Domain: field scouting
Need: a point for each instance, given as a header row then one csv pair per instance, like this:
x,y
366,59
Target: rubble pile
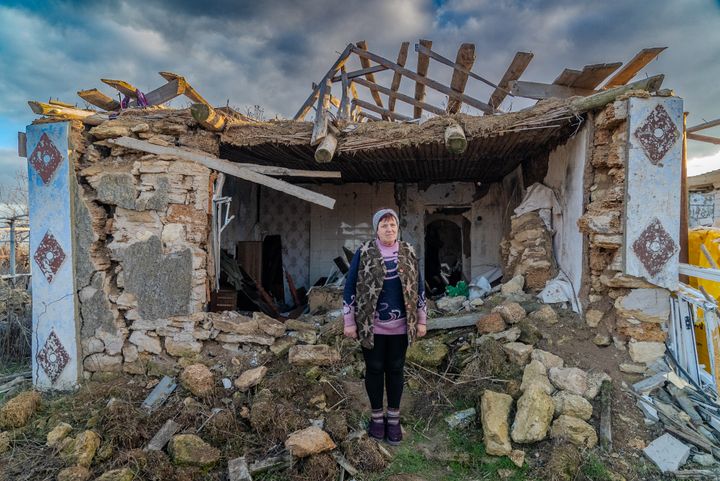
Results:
x,y
689,418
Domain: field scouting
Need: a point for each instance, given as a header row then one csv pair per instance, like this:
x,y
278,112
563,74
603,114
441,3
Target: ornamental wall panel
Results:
x,y
652,195
55,346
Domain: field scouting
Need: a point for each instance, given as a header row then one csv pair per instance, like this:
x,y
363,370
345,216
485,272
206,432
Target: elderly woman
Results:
x,y
384,307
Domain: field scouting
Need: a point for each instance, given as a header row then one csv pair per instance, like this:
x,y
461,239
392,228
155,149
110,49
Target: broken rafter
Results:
x,y
457,65
463,63
455,140
359,73
365,63
703,138
602,98
344,108
307,105
184,87
398,96
89,117
593,75
631,68
326,150
395,85
99,99
384,112
567,77
513,72
425,81
209,118
121,86
227,167
540,91
423,63
703,126
320,126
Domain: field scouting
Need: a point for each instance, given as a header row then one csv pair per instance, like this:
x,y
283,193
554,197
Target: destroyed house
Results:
x,y
150,226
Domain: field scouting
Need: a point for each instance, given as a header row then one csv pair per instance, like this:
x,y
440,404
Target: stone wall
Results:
x,y
632,311
141,241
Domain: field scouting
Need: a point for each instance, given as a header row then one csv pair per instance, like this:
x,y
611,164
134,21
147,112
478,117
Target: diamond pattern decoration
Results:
x,y
53,357
46,158
49,256
657,134
654,247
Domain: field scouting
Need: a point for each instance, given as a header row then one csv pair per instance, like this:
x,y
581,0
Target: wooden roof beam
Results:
x,y
381,111
59,111
307,105
704,125
365,63
704,138
465,58
593,75
425,81
640,60
540,91
398,96
567,77
423,63
185,87
513,72
320,125
125,88
359,73
395,85
99,99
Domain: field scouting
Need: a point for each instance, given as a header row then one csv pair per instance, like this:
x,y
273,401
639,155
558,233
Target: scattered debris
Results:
x,y
159,394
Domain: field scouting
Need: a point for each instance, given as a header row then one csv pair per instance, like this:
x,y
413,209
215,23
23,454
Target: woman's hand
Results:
x,y
421,330
350,331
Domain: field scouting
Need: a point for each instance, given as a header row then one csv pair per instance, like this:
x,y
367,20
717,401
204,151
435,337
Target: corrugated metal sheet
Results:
x,y
487,159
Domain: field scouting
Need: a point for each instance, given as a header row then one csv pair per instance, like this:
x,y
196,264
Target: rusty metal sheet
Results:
x,y
653,182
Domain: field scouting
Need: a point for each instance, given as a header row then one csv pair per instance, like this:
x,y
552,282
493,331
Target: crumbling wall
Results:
x,y
624,308
141,241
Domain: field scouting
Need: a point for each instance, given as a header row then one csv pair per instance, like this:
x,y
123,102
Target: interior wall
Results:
x,y
486,220
566,168
347,225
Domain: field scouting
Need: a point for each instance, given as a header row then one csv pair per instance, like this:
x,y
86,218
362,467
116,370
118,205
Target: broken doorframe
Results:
x,y
219,202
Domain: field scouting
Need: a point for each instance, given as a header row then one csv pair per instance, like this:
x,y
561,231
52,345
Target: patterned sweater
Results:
x,y
390,312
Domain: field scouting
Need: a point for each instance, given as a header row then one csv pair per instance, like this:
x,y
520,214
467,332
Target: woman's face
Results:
x,y
387,230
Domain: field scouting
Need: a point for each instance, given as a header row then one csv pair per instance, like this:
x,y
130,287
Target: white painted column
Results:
x,y
56,362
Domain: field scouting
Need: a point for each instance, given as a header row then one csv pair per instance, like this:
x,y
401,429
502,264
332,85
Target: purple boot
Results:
x,y
393,433
376,430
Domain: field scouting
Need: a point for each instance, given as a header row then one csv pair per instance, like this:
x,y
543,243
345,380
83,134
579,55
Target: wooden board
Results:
x,y
513,72
567,77
423,63
466,59
395,85
539,91
227,167
593,75
125,88
398,96
426,81
651,236
369,76
99,99
307,105
625,74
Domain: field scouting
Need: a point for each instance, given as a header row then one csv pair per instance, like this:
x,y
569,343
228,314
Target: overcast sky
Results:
x,y
269,52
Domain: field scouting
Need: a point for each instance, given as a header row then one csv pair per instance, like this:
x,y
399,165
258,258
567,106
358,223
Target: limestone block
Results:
x,y
198,379
145,343
494,412
250,378
513,286
534,414
81,449
646,352
268,325
309,355
574,430
103,363
182,344
308,441
518,352
593,317
191,450
569,379
511,312
535,376
548,359
92,345
545,314
130,353
645,305
572,405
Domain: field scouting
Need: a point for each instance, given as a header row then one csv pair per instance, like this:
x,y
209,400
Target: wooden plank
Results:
x,y
22,144
42,108
455,65
360,73
423,63
513,72
426,81
466,59
704,138
227,167
599,99
326,149
344,109
642,58
125,88
99,99
320,126
383,112
397,95
162,94
703,126
593,75
395,85
187,89
307,105
162,437
605,431
540,91
365,63
567,77
368,116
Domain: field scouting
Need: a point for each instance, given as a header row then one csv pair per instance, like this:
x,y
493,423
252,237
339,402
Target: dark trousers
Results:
x,y
384,365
